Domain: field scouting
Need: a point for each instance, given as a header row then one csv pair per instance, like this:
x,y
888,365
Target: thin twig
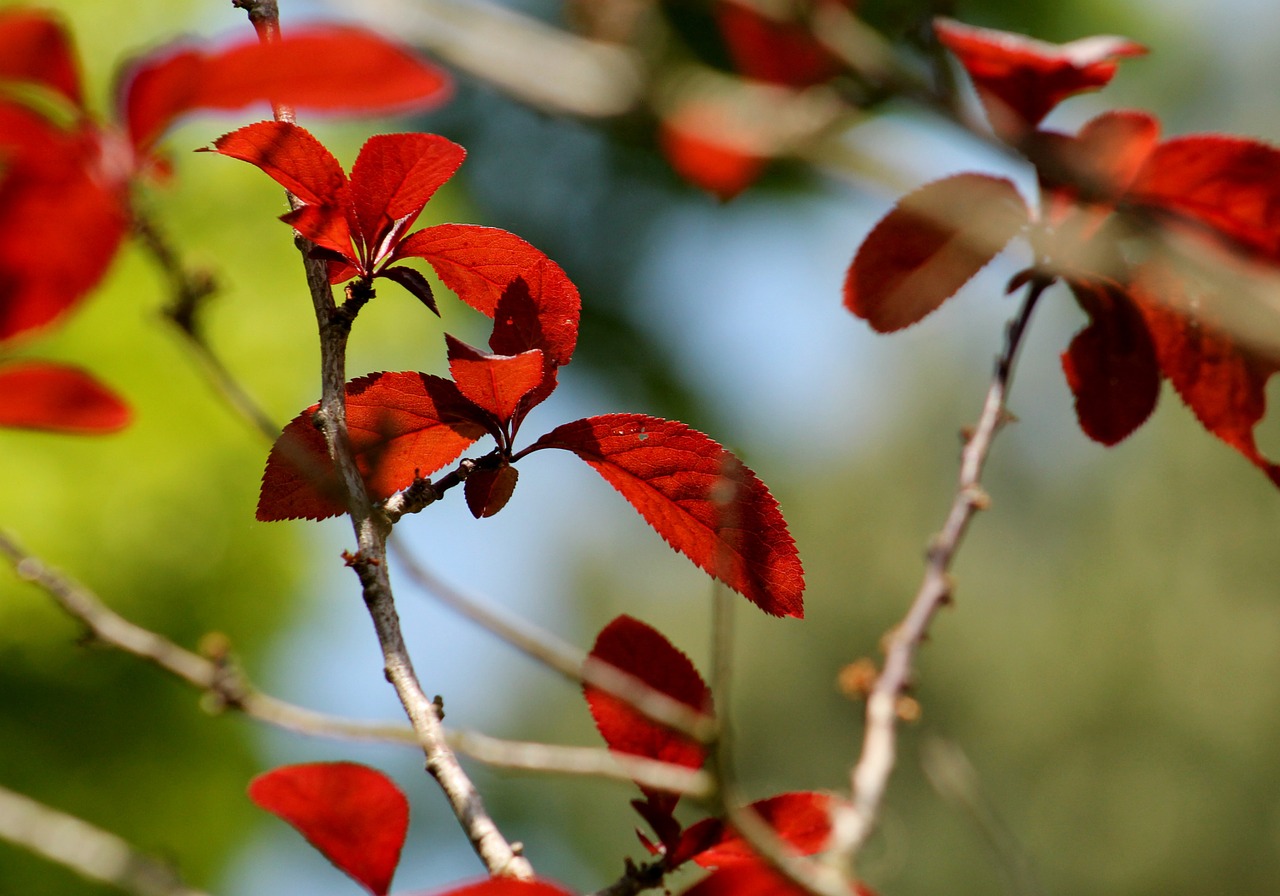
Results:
x,y
87,850
876,760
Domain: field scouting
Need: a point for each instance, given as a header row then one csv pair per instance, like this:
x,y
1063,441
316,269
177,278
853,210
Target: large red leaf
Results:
x,y
1019,80
53,397
1111,364
480,263
291,156
353,814
496,383
929,245
393,178
36,48
699,497
401,426
508,886
642,651
322,68
802,820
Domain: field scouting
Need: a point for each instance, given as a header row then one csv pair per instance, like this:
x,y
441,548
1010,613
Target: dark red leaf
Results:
x,y
1019,80
801,820
1111,364
755,879
36,48
508,886
780,51
699,497
393,178
643,652
355,816
53,397
495,383
929,245
322,68
488,491
401,426
480,263
412,280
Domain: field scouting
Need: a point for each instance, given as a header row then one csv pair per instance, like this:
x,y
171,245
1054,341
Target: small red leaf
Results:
x,y
323,68
56,398
393,178
1111,364
488,491
642,651
495,383
1019,80
508,886
755,879
417,284
355,816
699,143
699,498
480,263
401,426
801,820
291,156
36,48
929,245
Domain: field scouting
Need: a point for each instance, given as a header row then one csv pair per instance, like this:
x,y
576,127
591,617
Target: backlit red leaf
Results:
x,y
698,149
53,397
355,816
1019,80
35,47
495,383
401,426
289,155
929,245
488,491
780,51
642,651
321,68
698,497
755,879
393,178
801,820
508,886
1111,364
480,263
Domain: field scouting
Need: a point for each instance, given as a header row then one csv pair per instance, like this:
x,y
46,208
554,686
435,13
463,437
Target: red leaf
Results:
x,y
401,426
480,263
495,383
929,245
508,886
35,47
291,156
393,178
702,151
642,651
353,814
488,491
699,497
322,68
1019,80
412,280
755,879
53,397
780,51
1111,364
802,820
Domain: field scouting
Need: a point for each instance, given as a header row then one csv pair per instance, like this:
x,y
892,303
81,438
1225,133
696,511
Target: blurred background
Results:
x,y
1099,710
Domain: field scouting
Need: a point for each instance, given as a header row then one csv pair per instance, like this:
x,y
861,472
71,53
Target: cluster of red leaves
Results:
x,y
404,426
1155,239
66,175
357,818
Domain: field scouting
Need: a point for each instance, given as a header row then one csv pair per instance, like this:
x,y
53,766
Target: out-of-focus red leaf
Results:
x,y
57,398
393,178
36,48
480,263
644,652
775,50
495,383
1220,378
755,879
401,426
699,151
508,886
929,245
488,491
801,820
698,497
322,68
60,227
1111,364
1227,183
1019,80
355,816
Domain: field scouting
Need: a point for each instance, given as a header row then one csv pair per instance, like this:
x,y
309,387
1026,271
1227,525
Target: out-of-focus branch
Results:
x,y
87,850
